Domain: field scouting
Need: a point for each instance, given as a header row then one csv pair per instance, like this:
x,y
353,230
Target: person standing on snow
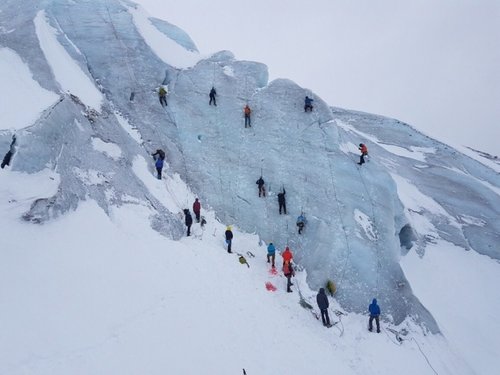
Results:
x,y
159,167
374,310
260,183
308,104
197,209
288,272
271,254
323,304
159,156
212,95
188,220
229,238
364,152
162,93
301,222
282,201
247,111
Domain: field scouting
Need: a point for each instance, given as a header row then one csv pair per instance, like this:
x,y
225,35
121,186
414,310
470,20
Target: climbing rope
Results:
x,y
125,49
375,221
339,213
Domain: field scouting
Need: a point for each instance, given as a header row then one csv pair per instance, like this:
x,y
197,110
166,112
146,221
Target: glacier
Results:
x,y
414,191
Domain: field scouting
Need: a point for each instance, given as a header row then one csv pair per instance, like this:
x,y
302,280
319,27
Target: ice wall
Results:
x,y
355,214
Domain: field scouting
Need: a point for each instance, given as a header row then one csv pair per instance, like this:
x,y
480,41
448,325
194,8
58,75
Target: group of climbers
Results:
x,y
188,219
288,267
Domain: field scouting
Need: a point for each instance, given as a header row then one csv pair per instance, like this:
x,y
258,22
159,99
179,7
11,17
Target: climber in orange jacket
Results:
x,y
364,152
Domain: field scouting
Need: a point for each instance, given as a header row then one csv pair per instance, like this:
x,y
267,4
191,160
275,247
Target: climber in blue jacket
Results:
x,y
271,254
374,310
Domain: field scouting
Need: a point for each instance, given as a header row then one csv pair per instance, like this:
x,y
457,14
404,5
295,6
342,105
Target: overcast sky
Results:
x,y
432,63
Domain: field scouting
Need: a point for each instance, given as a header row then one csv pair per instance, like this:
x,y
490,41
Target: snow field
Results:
x,y
113,296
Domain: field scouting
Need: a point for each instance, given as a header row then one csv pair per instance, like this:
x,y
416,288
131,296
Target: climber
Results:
x,y
282,201
188,220
271,254
364,152
12,151
288,272
162,93
287,255
212,95
301,222
247,111
159,167
197,209
262,189
229,238
308,104
374,310
323,304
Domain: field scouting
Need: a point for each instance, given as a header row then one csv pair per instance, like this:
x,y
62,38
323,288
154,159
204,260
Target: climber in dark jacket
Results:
x,y
212,95
282,201
229,238
188,220
308,104
262,190
323,304
12,151
374,310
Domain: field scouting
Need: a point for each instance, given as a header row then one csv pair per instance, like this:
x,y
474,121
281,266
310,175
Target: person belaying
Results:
x,y
271,254
247,111
159,157
301,222
262,189
188,220
12,150
229,238
374,310
364,152
323,304
287,255
308,104
288,271
162,94
197,209
282,201
212,95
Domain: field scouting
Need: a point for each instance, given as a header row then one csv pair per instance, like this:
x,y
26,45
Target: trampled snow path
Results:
x,y
113,296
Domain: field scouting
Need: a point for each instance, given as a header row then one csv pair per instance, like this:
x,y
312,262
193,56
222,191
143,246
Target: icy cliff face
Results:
x,y
360,219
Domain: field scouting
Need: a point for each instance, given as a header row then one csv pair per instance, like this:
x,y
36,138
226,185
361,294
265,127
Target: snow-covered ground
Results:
x,y
97,294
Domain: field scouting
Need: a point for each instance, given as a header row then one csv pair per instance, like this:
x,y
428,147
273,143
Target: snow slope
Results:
x,y
113,296
17,107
